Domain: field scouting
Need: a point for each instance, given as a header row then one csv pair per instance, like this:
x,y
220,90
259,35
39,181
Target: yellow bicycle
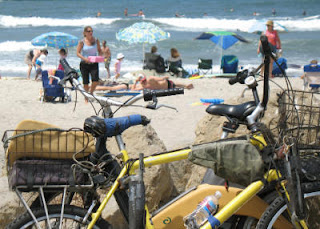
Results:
x,y
126,175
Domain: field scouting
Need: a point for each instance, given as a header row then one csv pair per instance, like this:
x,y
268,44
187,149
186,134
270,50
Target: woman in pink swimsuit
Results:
x,y
274,42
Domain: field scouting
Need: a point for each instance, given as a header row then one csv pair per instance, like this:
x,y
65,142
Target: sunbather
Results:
x,y
142,82
312,67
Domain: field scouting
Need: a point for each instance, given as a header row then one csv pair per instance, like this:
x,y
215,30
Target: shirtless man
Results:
x,y
153,83
107,57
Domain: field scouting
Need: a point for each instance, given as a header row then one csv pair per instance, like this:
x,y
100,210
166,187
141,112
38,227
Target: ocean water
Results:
x,y
21,21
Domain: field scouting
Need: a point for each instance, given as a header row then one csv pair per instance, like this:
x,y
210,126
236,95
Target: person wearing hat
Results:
x,y
117,65
274,42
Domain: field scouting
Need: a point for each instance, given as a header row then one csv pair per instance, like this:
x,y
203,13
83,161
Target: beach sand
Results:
x,y
20,100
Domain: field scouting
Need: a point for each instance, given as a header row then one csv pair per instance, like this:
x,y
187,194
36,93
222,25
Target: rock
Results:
x,y
209,129
159,185
158,182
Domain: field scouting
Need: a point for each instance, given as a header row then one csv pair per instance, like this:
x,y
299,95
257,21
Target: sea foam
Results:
x,y
13,46
185,24
11,21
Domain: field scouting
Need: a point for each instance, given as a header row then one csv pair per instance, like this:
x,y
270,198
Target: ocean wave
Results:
x,y
11,21
200,24
14,46
311,23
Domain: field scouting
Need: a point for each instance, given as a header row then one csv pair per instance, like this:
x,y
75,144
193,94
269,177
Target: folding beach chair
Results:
x,y
204,65
311,77
176,69
276,71
51,89
150,60
229,64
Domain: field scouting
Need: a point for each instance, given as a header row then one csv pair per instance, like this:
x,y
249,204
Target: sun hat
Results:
x,y
120,56
142,77
270,22
314,62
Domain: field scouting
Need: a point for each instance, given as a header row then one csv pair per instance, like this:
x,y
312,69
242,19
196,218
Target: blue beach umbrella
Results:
x,y
224,39
55,39
142,32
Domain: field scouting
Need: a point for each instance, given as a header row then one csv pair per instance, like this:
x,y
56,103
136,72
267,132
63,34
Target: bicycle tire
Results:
x,y
71,213
278,208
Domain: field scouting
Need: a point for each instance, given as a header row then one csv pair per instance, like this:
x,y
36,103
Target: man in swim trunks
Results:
x,y
152,82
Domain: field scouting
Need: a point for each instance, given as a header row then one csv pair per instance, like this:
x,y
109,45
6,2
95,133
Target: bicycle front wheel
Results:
x,y
72,218
278,210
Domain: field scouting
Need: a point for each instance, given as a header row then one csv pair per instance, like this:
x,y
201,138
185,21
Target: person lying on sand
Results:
x,y
152,82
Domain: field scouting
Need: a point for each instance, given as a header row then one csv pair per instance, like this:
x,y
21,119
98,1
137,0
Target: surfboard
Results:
x,y
119,93
221,75
218,75
312,17
196,77
200,103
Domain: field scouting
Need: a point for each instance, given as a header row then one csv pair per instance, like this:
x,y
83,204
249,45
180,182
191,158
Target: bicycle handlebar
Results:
x,y
248,78
148,95
71,75
240,78
110,127
267,56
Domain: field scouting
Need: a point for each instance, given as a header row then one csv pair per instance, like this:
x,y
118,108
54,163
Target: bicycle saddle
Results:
x,y
240,111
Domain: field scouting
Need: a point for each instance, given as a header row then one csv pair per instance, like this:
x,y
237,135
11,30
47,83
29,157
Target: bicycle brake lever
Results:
x,y
163,105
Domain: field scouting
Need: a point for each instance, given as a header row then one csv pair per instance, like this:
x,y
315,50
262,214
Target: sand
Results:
x,y
19,100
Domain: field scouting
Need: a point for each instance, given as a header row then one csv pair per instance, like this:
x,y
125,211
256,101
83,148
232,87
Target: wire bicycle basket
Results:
x,y
299,113
44,156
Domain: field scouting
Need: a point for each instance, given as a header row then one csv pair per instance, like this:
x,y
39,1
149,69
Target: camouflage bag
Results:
x,y
236,160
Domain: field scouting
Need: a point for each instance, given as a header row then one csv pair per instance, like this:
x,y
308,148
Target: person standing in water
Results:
x,y
274,43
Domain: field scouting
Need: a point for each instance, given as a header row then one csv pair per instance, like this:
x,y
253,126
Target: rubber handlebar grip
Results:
x,y
69,72
149,94
265,46
233,80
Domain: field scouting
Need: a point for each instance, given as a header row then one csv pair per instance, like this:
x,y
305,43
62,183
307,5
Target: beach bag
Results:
x,y
276,71
160,65
236,160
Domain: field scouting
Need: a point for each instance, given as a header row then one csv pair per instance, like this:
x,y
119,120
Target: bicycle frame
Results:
x,y
234,199
233,205
148,162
